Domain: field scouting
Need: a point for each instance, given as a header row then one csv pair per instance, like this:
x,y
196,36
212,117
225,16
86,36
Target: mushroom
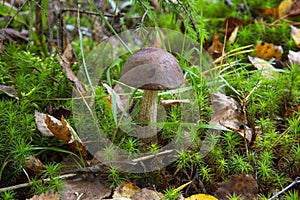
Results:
x,y
151,69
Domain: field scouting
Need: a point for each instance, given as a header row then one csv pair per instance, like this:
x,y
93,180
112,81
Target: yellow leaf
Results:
x,y
233,35
201,197
182,186
284,8
295,32
268,50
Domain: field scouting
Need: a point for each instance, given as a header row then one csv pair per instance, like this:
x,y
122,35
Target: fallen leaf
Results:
x,y
113,94
230,25
284,8
263,65
233,35
291,111
294,57
85,188
9,90
49,126
146,194
57,113
11,35
50,195
227,112
295,9
40,119
267,51
295,33
125,190
201,197
216,49
273,12
66,61
242,184
33,165
67,134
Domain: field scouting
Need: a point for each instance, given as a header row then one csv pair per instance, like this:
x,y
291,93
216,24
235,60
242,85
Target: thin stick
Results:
x,y
295,182
30,183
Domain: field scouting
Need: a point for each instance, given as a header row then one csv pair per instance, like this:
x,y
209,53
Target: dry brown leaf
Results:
x,y
230,25
201,197
284,8
42,126
294,57
33,165
61,131
85,188
273,12
9,90
227,112
267,51
264,66
50,195
49,126
125,190
295,33
57,113
295,9
242,184
66,63
11,35
65,132
146,194
216,49
291,111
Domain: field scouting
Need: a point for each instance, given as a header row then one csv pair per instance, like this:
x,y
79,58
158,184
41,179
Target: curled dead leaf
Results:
x,y
67,134
231,24
33,165
9,90
49,126
66,63
40,119
11,35
266,68
227,112
294,57
216,49
295,33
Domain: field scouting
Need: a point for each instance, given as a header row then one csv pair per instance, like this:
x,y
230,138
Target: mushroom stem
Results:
x,y
148,112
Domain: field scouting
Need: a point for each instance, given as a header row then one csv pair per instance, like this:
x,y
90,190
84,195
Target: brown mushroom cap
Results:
x,y
152,69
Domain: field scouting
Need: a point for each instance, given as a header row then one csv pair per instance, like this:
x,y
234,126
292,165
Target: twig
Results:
x,y
9,21
30,183
295,182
